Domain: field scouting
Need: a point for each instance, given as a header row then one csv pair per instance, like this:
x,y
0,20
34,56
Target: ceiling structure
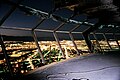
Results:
x,y
59,18
40,15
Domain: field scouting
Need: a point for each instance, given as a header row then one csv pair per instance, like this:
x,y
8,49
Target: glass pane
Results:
x,y
13,32
49,24
63,36
4,8
67,27
81,28
81,17
44,36
20,19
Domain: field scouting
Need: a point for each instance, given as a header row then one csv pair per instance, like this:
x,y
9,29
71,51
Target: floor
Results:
x,y
90,67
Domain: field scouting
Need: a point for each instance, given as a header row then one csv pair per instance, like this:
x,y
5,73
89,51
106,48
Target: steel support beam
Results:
x,y
6,55
97,42
116,40
57,39
43,30
88,42
104,34
38,24
61,25
114,34
107,41
36,40
73,41
86,33
1,39
37,44
58,42
74,28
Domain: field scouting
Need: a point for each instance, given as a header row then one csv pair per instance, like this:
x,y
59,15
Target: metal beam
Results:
x,y
1,39
106,37
56,36
58,42
86,33
116,38
61,25
43,30
97,42
36,40
106,33
57,39
88,42
38,24
73,41
9,12
46,15
74,28
107,41
37,44
6,55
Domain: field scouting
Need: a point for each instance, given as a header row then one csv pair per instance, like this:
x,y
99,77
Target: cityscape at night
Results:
x,y
59,40
24,56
